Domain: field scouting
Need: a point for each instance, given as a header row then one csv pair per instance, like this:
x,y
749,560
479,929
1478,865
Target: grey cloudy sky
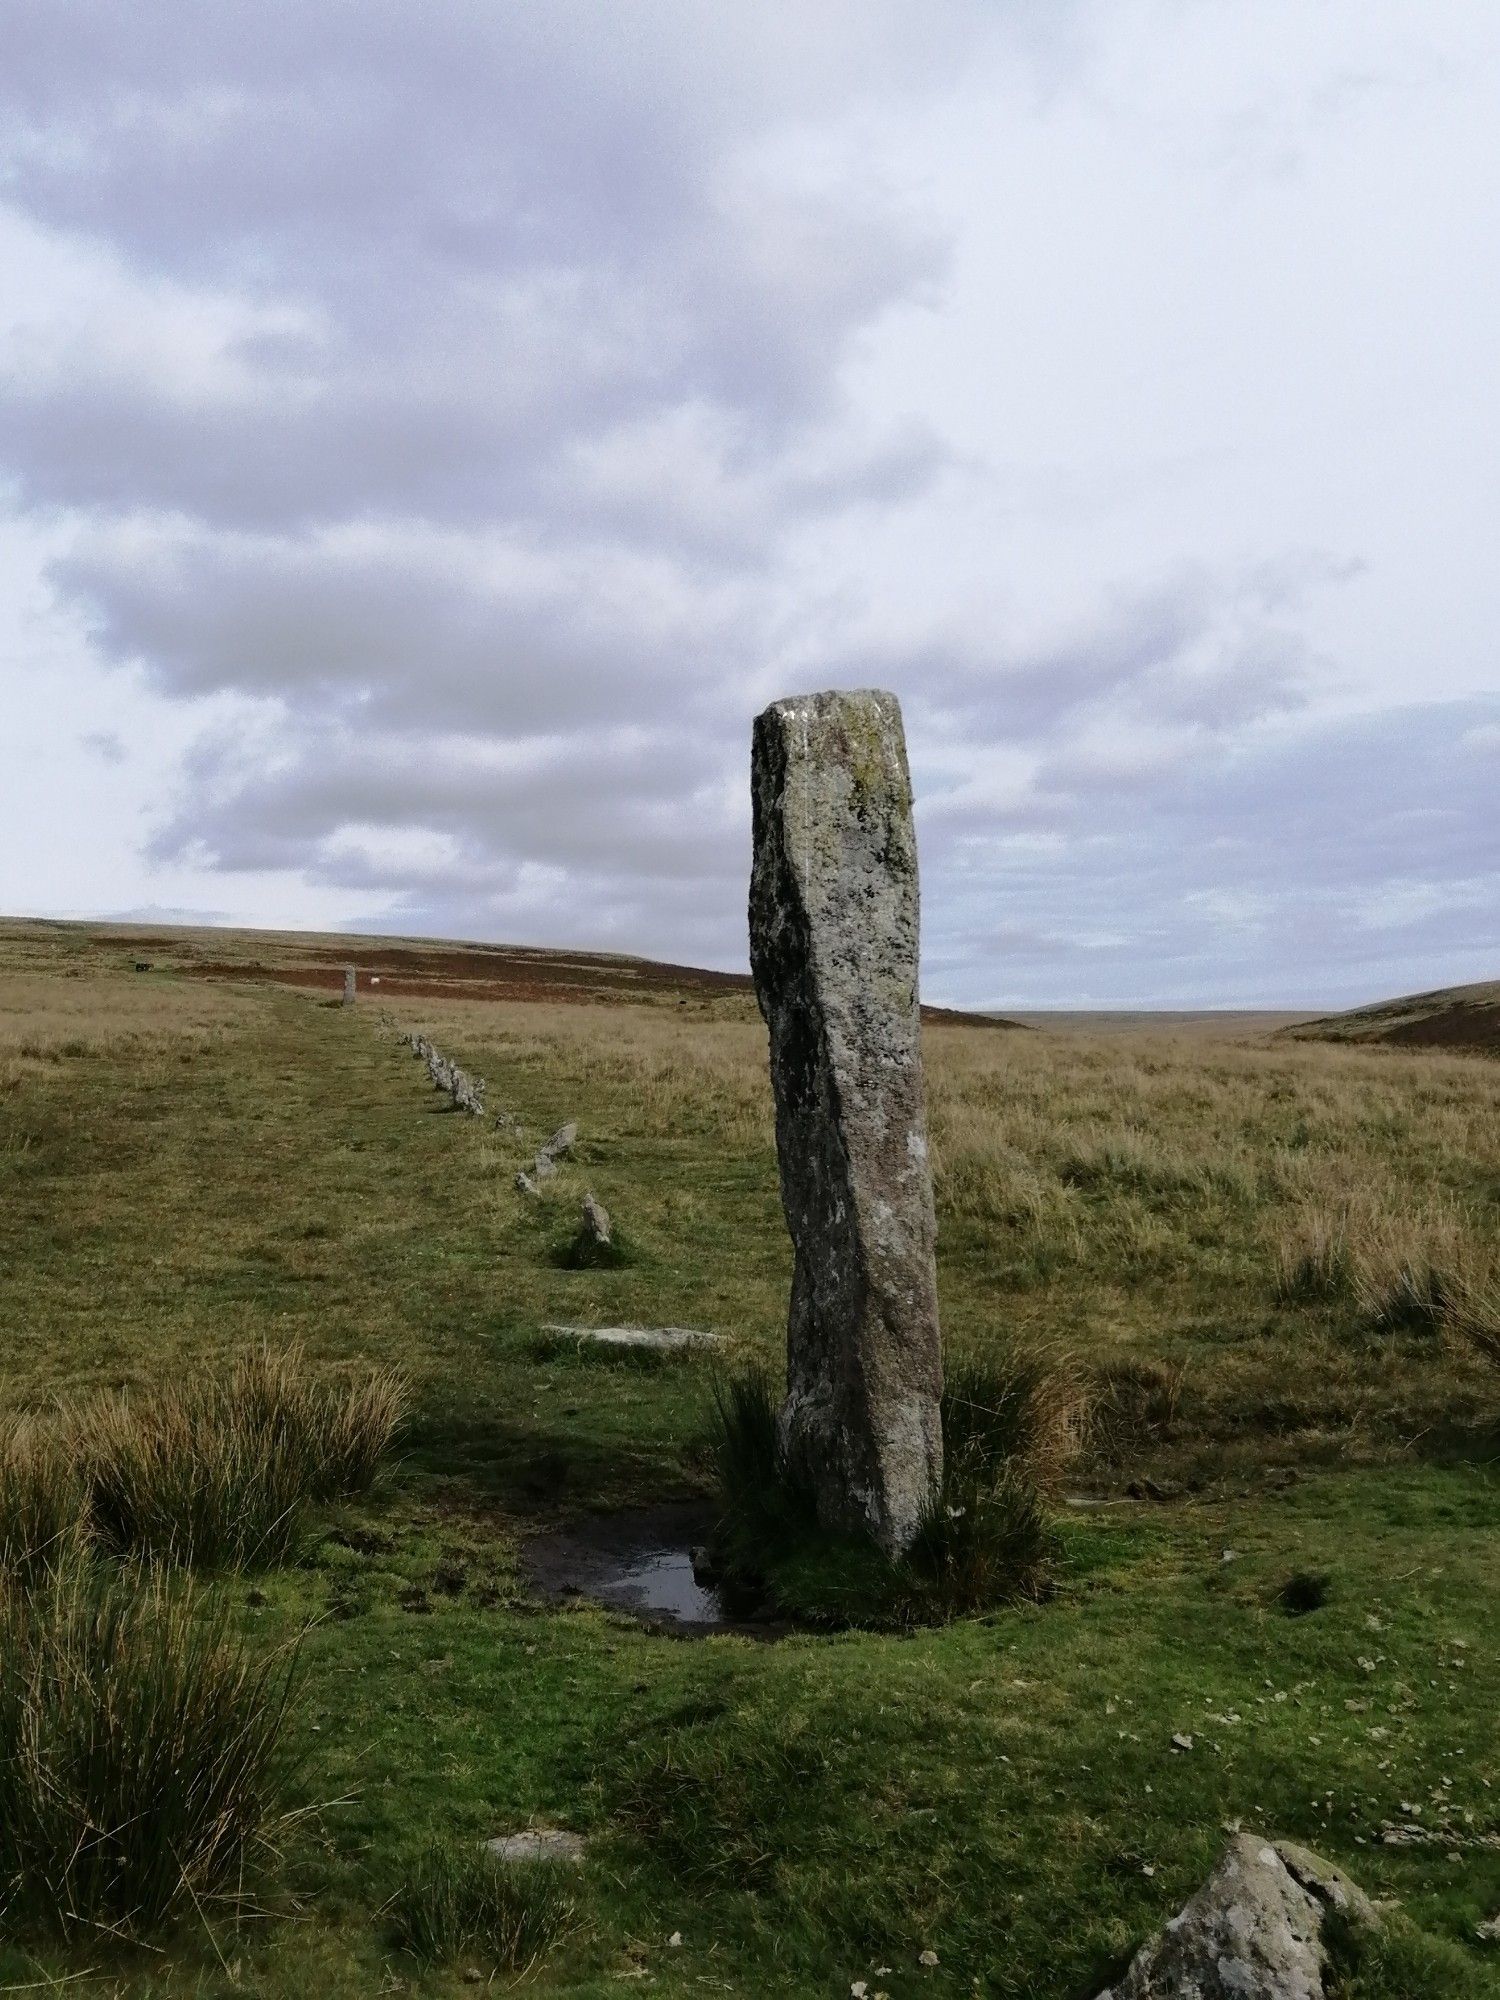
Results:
x,y
429,433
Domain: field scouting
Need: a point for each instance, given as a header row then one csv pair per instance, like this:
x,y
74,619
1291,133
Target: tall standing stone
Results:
x,y
833,946
349,985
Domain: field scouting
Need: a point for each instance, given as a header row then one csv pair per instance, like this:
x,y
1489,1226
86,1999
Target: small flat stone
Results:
x,y
537,1843
669,1339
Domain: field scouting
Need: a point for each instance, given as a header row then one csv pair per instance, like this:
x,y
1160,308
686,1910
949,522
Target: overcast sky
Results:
x,y
428,433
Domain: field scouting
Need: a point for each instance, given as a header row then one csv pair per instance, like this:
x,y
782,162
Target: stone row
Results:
x,y
467,1092
544,1166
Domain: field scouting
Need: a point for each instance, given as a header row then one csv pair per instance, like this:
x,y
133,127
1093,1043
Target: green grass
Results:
x,y
805,1811
463,1904
1399,1961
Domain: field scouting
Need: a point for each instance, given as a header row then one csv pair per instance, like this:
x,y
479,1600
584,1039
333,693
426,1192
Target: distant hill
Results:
x,y
1454,1017
430,968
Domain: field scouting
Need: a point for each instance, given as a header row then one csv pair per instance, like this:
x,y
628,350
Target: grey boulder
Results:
x,y
1254,1931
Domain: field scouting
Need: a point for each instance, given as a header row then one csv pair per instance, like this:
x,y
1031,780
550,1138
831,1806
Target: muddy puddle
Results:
x,y
638,1561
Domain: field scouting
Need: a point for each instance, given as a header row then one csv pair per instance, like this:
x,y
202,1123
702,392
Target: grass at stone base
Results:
x,y
1005,1792
803,1812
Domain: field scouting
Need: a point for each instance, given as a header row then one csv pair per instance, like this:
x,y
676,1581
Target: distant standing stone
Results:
x,y
349,985
595,1220
833,946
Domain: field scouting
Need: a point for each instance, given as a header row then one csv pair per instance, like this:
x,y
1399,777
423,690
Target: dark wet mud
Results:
x,y
639,1561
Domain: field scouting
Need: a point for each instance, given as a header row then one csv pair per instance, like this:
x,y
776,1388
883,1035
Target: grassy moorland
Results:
x,y
1272,1264
1452,1017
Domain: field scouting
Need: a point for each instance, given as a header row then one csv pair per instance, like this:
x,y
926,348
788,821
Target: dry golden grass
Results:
x,y
679,1068
1091,1149
217,1471
45,1017
1185,1212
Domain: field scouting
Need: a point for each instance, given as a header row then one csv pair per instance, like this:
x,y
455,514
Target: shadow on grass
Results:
x,y
527,1466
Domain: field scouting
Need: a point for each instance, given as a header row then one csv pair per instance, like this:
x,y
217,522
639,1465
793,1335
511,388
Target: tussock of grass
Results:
x,y
1418,1296
44,1526
1315,1260
1020,1414
583,1252
1135,1404
140,1751
218,1473
1422,1273
1474,1316
462,1902
1303,1592
1009,1431
984,1542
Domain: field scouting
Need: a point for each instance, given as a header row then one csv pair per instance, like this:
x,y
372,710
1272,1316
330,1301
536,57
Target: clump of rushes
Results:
x,y
140,1746
339,1427
1010,1427
44,1527
1315,1260
1475,1316
218,1472
462,1902
1137,1400
1417,1295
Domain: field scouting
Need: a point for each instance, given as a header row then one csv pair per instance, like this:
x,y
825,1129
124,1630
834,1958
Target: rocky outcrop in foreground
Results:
x,y
1254,1931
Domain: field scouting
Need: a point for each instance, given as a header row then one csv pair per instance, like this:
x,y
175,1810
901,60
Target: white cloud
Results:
x,y
425,449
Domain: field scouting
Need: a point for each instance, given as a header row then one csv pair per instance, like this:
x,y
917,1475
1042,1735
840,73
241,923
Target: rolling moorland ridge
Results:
x,y
1251,1261
1453,1017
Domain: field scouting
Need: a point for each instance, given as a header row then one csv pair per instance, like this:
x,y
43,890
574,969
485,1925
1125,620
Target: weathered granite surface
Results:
x,y
537,1843
665,1339
1254,1931
833,946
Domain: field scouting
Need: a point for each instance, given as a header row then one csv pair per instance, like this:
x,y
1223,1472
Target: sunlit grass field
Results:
x,y
1223,1235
